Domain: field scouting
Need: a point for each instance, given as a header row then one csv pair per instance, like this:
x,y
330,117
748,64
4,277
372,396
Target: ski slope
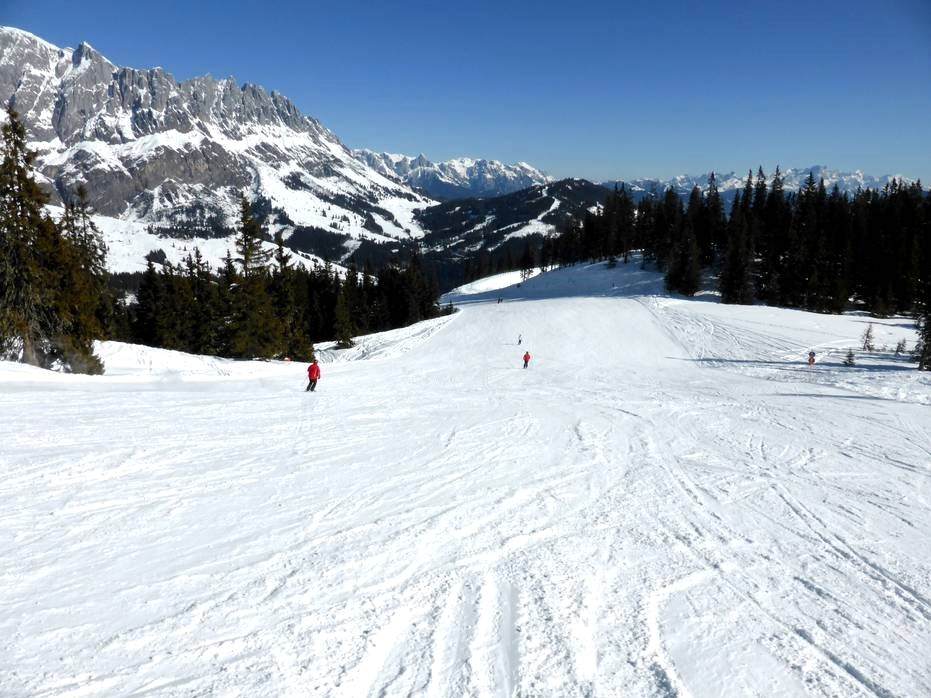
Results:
x,y
666,503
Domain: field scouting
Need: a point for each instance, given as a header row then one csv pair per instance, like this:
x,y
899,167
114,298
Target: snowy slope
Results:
x,y
666,503
177,155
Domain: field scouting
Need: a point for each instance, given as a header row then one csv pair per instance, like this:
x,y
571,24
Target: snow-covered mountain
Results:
x,y
176,155
454,179
466,225
165,161
730,182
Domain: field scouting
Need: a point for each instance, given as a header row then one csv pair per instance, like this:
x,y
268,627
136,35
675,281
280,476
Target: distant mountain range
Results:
x,y
731,182
454,179
165,162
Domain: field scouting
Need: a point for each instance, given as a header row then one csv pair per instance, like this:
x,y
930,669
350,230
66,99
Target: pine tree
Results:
x,y
84,300
683,274
253,257
23,299
867,339
697,218
836,267
923,349
923,301
668,226
735,282
344,327
626,223
527,262
849,360
775,223
283,289
644,225
715,222
51,284
255,330
206,312
759,233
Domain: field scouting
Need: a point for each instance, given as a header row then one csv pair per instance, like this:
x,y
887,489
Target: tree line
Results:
x,y
55,299
816,249
261,304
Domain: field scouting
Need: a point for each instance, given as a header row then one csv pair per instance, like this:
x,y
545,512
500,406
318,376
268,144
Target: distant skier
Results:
x,y
811,359
526,358
313,375
520,339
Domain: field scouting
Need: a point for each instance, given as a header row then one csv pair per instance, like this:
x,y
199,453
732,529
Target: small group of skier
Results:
x,y
520,338
313,371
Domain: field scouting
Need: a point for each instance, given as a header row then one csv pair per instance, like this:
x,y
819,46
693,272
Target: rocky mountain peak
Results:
x,y
457,178
176,156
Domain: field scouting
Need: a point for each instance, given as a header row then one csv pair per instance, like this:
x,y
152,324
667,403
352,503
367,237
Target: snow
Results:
x,y
104,155
129,241
667,502
404,211
485,285
146,147
537,226
268,152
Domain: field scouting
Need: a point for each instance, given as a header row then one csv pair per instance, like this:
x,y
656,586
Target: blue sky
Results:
x,y
589,89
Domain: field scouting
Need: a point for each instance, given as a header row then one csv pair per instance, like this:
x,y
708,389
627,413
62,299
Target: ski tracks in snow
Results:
x,y
629,516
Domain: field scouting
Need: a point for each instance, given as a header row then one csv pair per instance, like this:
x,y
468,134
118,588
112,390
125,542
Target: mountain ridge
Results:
x,y
457,178
177,155
165,162
730,182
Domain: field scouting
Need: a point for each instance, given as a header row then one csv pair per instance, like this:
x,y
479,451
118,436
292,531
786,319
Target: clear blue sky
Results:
x,y
589,89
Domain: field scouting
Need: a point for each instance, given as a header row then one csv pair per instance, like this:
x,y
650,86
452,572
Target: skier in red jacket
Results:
x,y
526,358
313,375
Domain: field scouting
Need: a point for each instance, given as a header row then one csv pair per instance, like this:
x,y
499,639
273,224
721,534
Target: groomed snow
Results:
x,y
667,502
